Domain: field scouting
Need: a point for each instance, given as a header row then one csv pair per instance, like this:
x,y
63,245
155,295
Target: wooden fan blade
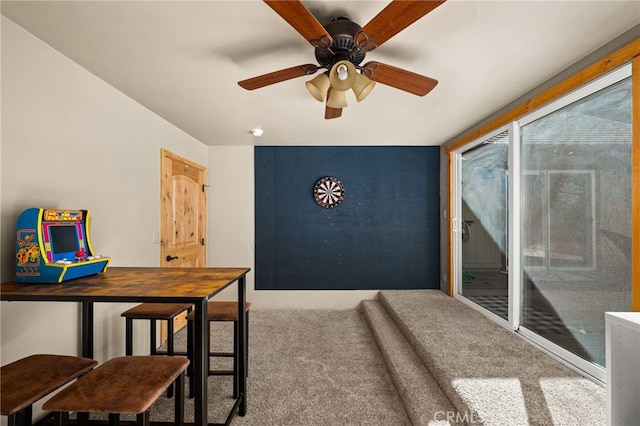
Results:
x,y
330,113
299,17
397,16
399,78
278,76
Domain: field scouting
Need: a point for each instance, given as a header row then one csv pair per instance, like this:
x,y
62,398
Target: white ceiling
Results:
x,y
183,59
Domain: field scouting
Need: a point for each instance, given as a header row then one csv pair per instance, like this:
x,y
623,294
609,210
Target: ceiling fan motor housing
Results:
x,y
343,31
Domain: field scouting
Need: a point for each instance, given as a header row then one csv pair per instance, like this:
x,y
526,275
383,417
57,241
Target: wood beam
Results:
x,y
450,227
635,185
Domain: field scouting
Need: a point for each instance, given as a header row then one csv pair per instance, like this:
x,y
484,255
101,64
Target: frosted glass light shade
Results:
x,y
337,99
340,80
318,86
362,86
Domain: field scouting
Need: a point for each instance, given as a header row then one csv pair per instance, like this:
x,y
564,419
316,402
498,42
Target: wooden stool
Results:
x,y
223,312
29,379
152,312
124,385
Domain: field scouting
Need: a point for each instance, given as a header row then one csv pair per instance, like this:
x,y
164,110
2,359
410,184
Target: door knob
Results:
x,y
170,258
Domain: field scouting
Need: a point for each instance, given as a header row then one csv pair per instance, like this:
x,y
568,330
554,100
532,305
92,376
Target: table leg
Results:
x,y
242,325
200,367
87,329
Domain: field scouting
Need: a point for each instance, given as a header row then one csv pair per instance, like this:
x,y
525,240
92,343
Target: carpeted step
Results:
x,y
491,375
422,397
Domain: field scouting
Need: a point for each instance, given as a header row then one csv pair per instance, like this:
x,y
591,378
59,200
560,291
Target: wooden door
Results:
x,y
183,216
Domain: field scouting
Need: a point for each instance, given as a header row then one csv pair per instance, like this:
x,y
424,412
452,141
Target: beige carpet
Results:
x,y
487,372
324,367
306,368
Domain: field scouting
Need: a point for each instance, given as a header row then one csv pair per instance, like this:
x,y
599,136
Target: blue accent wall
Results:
x,y
384,235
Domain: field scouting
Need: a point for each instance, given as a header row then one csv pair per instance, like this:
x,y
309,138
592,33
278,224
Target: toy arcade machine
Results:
x,y
54,246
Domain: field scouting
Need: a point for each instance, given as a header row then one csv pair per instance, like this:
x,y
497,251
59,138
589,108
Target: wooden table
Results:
x,y
159,285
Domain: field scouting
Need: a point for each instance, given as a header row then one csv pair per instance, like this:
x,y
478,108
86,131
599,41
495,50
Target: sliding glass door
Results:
x,y
576,227
542,220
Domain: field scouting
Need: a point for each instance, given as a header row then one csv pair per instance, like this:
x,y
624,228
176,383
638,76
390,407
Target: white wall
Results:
x,y
69,140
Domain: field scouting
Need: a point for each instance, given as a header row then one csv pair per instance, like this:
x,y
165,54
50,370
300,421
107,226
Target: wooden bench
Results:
x,y
124,385
29,379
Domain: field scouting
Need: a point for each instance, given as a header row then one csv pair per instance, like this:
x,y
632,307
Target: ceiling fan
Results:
x,y
340,47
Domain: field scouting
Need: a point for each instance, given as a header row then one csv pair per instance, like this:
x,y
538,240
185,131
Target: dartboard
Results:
x,y
328,192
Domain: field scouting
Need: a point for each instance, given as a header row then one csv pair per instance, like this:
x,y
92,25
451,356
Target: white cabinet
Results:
x,y
623,368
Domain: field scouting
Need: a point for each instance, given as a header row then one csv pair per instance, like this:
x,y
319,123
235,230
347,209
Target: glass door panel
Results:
x,y
484,201
576,219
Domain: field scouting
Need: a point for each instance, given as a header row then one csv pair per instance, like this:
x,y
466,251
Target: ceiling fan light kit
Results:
x,y
343,76
341,45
